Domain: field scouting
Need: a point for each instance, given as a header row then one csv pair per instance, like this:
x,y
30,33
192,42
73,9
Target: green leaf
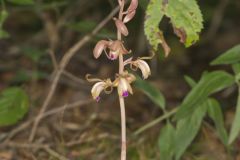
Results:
x,y
14,103
236,122
236,68
21,2
152,92
187,129
154,15
185,16
215,113
229,57
190,81
210,83
166,142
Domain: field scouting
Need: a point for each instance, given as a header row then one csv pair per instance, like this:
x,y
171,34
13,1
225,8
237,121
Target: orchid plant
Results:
x,y
115,49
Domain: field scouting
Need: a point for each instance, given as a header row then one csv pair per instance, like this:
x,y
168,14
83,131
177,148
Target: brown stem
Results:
x,y
121,99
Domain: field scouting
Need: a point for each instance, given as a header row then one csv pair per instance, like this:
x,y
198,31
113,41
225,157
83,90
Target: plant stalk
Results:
x,y
121,99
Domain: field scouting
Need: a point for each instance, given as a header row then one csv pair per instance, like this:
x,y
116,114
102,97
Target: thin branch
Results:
x,y
156,121
54,153
46,114
63,63
54,60
73,77
36,146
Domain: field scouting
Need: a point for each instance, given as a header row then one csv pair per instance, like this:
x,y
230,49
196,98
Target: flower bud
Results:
x,y
143,66
121,27
129,16
100,46
133,6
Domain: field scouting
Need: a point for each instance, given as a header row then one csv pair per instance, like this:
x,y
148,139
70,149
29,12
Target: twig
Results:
x,y
84,140
54,60
63,63
55,154
37,146
46,114
156,121
73,77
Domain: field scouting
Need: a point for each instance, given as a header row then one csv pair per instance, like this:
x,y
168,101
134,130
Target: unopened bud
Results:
x,y
121,27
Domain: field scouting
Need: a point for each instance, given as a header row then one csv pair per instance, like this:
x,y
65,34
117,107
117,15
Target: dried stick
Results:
x,y
37,146
46,114
63,63
73,77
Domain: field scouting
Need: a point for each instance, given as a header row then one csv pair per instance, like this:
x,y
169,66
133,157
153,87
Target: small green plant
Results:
x,y
184,122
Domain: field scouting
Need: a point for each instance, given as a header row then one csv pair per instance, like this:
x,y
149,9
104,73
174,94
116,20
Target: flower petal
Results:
x,y
129,16
144,67
100,46
133,6
97,89
124,87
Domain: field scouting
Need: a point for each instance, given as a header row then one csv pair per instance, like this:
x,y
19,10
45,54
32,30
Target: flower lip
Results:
x,y
98,98
123,82
99,86
125,94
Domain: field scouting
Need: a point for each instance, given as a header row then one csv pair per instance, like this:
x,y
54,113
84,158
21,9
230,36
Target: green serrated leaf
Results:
x,y
187,129
14,103
210,83
154,15
186,17
190,81
21,2
235,130
231,56
152,92
166,142
215,113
